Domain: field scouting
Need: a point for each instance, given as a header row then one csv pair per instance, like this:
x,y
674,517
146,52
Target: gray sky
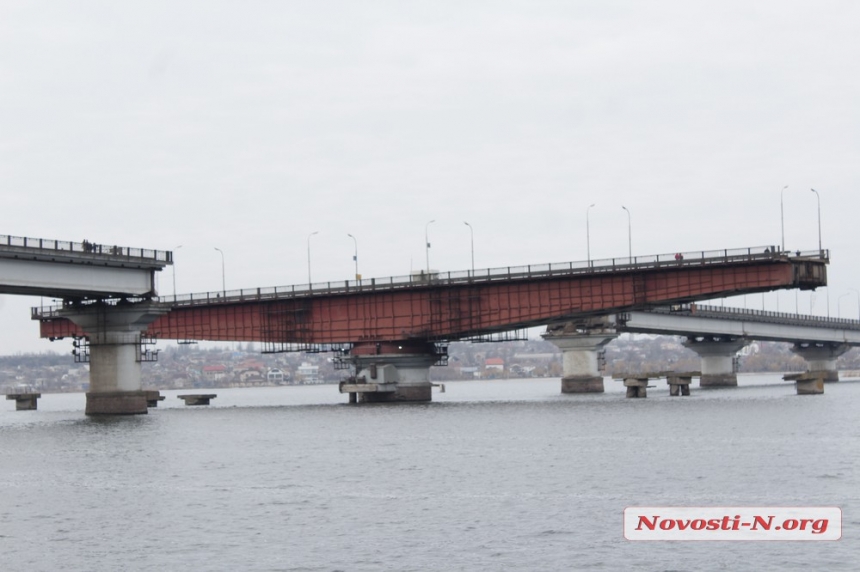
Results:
x,y
249,125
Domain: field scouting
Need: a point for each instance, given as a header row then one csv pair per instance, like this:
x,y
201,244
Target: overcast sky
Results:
x,y
247,126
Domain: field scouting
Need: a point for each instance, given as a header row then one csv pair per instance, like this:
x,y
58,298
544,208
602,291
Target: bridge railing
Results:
x,y
423,279
784,318
85,247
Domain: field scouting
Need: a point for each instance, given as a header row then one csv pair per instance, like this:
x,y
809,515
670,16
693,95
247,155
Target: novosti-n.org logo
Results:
x,y
732,523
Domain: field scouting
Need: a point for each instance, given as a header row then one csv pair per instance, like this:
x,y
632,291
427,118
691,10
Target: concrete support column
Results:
x,y
637,387
679,383
114,334
391,372
807,383
24,401
821,357
580,346
717,353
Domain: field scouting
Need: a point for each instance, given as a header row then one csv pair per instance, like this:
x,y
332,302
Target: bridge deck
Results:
x,y
64,269
490,275
696,319
458,305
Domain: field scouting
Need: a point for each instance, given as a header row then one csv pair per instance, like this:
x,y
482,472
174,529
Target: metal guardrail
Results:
x,y
762,316
422,279
85,247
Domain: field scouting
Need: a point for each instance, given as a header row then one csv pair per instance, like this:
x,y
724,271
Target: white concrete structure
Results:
x,y
821,357
40,267
718,359
581,343
96,282
114,334
693,320
717,334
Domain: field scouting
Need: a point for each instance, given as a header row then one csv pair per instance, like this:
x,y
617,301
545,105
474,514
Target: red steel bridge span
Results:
x,y
393,327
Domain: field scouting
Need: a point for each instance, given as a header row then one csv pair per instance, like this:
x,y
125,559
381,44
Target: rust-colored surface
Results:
x,y
453,311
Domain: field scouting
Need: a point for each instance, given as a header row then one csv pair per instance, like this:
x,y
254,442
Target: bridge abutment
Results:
x,y
821,357
718,359
114,334
581,344
391,372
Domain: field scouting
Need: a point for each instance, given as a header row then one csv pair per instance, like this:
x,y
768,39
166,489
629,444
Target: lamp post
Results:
x,y
427,245
472,242
174,273
223,280
782,217
355,256
818,197
588,235
858,301
309,256
629,235
839,304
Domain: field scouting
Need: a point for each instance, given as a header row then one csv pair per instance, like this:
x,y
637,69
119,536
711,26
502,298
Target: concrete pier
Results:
x,y
198,398
679,383
637,387
581,343
807,383
391,372
24,401
153,396
114,334
821,357
718,363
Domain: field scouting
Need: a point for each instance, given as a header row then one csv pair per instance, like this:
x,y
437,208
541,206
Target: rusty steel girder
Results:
x,y
445,310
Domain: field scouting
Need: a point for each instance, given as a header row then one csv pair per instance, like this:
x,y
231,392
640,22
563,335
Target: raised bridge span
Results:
x,y
394,328
460,305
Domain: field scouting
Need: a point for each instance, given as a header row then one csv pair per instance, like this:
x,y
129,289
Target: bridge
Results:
x,y
77,270
715,333
393,329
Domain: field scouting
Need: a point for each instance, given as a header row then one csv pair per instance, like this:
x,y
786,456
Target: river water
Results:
x,y
493,475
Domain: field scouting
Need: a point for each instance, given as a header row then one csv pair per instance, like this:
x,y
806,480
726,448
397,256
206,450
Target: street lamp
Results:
x,y
309,256
427,248
588,235
782,217
839,304
355,256
472,241
174,273
629,235
858,301
223,281
818,197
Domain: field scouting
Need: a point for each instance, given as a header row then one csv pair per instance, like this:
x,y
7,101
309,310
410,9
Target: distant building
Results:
x,y
214,372
494,363
277,376
308,373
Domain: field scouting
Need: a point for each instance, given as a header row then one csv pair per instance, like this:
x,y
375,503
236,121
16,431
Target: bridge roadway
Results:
x,y
702,320
392,326
715,333
77,270
459,305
